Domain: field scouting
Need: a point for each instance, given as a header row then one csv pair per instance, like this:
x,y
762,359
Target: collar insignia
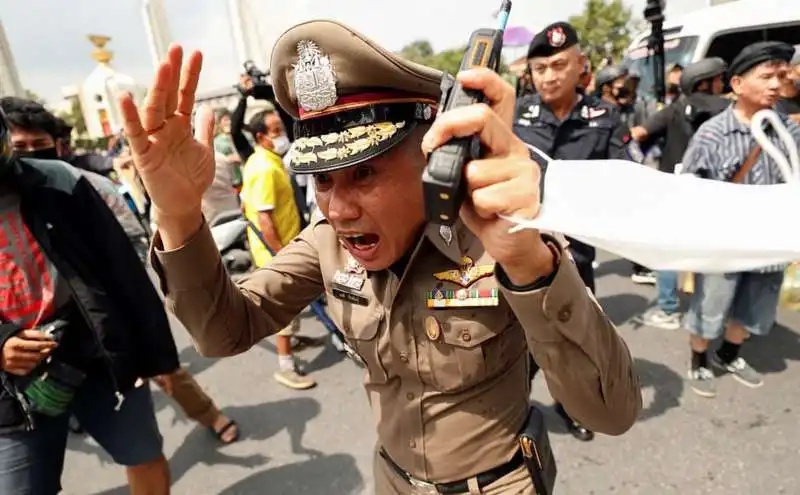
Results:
x,y
353,266
446,233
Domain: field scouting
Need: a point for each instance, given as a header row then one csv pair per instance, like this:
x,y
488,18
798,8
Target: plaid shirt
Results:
x,y
722,145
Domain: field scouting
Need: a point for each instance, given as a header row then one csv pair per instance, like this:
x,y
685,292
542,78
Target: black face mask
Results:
x,y
622,92
673,89
42,154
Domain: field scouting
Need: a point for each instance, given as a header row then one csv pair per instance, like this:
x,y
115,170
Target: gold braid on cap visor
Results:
x,y
349,133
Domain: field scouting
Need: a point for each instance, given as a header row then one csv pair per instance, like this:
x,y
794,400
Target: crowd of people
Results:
x,y
79,346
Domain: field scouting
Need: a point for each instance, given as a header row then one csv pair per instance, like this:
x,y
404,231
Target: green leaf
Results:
x,y
604,28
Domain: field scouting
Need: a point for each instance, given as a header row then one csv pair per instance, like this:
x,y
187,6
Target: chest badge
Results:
x,y
348,283
467,273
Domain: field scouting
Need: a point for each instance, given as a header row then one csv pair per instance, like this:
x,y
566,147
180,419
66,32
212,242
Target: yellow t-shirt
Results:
x,y
266,187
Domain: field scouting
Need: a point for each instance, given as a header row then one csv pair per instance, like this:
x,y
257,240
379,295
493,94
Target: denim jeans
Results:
x,y
667,285
31,462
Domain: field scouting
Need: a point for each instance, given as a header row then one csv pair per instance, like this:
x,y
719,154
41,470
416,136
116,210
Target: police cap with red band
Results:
x,y
553,39
351,99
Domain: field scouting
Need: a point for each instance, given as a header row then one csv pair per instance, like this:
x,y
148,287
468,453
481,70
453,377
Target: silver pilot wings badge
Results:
x,y
314,78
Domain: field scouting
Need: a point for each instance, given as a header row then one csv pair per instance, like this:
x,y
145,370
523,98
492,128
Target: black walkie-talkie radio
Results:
x,y
443,180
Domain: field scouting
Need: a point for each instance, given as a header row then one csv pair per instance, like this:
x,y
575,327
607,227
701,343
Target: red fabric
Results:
x,y
27,288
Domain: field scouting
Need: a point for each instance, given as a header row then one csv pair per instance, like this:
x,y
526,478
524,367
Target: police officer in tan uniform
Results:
x,y
442,318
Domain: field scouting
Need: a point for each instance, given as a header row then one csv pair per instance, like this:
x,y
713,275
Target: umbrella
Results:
x,y
517,36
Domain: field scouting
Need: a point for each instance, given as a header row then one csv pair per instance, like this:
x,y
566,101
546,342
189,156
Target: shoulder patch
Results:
x,y
597,112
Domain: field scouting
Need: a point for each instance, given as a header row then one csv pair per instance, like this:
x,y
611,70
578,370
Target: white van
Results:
x,y
720,31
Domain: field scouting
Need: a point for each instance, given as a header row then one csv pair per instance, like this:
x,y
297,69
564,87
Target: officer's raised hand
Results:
x,y
504,182
175,167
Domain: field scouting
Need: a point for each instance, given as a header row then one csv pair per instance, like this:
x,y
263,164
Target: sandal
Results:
x,y
220,434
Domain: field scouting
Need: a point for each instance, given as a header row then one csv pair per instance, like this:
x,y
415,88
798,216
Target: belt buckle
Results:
x,y
422,487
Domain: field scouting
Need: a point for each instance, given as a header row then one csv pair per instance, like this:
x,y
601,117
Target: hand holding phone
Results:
x,y
23,352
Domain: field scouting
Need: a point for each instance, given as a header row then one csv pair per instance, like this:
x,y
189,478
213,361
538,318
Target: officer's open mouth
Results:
x,y
361,242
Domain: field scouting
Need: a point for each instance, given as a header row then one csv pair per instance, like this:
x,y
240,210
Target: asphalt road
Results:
x,y
320,441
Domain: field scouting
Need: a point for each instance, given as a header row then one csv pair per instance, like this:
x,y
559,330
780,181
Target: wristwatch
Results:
x,y
554,247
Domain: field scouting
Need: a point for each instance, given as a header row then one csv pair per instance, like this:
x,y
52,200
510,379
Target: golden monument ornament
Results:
x,y
100,54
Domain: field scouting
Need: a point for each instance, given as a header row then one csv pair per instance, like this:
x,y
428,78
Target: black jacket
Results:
x,y
117,321
677,123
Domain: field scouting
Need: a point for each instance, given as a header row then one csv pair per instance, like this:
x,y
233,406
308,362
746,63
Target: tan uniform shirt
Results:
x,y
448,387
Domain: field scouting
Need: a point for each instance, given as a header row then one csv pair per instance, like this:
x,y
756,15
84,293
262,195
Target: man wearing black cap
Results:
x,y
737,305
565,123
701,84
426,307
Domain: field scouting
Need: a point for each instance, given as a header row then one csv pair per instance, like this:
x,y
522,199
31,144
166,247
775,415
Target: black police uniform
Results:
x,y
592,131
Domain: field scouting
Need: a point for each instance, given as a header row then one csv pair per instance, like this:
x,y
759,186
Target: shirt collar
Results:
x,y
732,122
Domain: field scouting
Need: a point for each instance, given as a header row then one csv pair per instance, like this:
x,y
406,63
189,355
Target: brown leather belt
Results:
x,y
484,479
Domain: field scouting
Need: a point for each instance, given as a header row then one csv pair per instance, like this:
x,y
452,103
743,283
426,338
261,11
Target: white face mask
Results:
x,y
281,144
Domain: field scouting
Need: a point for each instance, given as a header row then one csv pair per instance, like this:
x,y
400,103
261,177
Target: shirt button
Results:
x,y
564,314
412,444
466,337
404,357
410,396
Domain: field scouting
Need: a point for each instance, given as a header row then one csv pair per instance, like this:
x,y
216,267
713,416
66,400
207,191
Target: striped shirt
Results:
x,y
722,145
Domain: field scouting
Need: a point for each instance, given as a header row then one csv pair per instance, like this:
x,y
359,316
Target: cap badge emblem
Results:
x,y
314,78
556,37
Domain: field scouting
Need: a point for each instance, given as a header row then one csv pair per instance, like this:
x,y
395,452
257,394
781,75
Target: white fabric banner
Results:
x,y
674,222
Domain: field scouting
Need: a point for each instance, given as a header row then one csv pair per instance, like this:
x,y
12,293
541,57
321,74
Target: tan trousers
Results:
x,y
193,400
291,329
388,482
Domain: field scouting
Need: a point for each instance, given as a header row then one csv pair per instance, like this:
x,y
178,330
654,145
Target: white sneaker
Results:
x,y
646,278
657,318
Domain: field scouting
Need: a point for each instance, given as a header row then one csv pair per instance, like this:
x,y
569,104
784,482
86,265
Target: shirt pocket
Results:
x,y
468,350
362,328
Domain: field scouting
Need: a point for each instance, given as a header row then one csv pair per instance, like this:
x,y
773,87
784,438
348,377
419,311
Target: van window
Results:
x,y
676,51
729,44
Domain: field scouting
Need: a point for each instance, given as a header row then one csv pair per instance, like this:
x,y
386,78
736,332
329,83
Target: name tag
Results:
x,y
347,296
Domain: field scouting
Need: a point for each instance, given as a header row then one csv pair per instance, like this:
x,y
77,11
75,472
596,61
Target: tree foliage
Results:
x,y
604,29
